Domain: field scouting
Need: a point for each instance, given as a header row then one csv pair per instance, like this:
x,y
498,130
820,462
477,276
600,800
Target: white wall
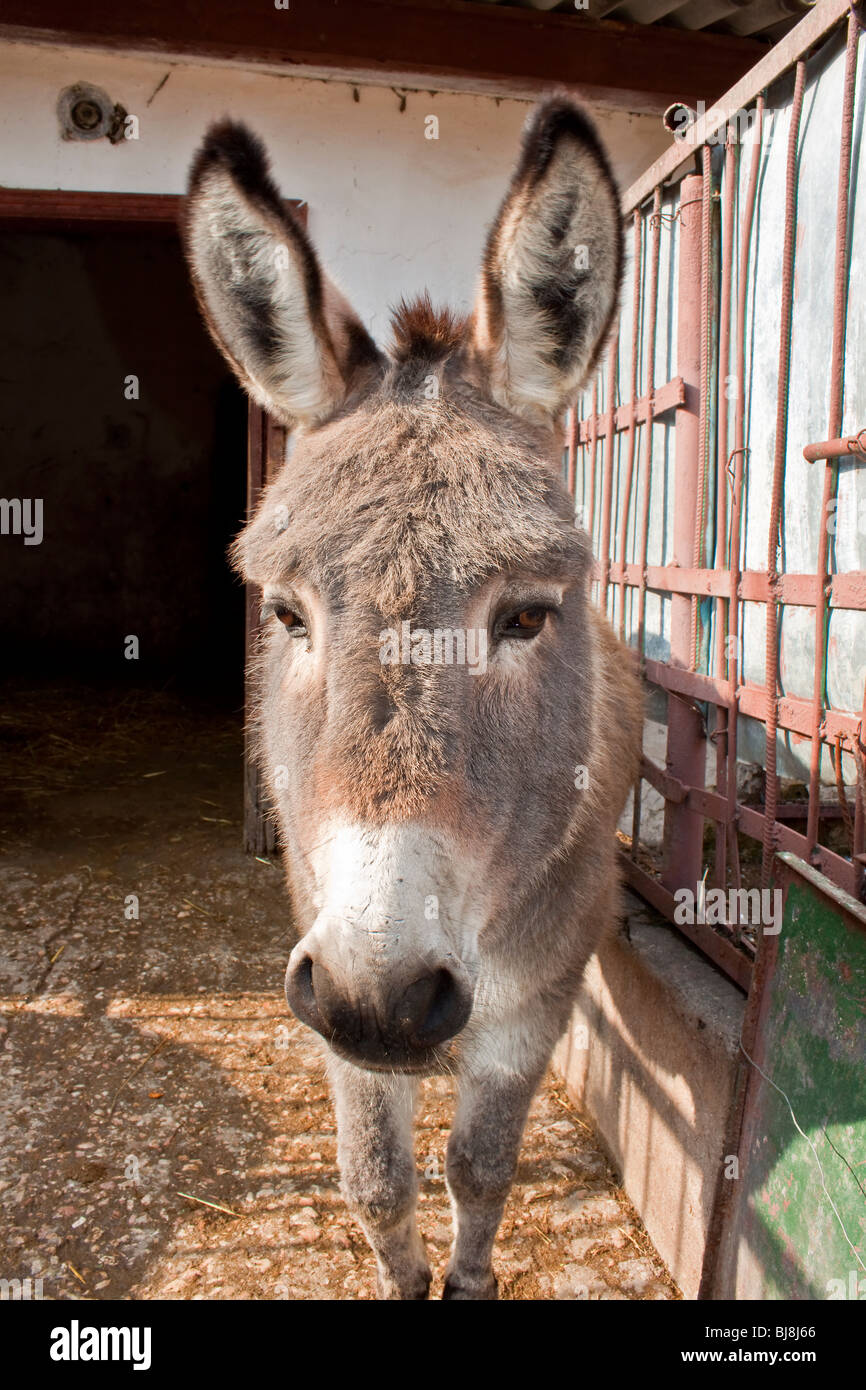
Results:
x,y
391,211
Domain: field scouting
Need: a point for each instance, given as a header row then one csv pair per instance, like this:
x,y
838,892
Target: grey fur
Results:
x,y
450,874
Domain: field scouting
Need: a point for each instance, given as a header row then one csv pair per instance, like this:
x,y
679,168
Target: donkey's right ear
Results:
x,y
289,335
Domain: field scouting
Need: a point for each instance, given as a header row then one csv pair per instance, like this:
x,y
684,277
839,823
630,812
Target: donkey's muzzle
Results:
x,y
397,1030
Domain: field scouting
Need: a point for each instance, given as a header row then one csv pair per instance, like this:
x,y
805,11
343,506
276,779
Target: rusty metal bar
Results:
x,y
843,590
796,715
782,56
720,733
625,501
652,411
686,750
266,451
754,1017
752,819
607,482
666,397
858,847
687,579
674,579
839,870
720,951
738,459
837,367
694,685
799,810
774,536
793,714
653,300
700,521
592,459
572,450
707,803
796,590
852,447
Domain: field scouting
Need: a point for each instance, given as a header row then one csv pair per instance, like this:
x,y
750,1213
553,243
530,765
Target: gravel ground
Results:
x,y
166,1126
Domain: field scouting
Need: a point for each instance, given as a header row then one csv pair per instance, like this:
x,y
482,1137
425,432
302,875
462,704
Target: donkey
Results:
x,y
448,829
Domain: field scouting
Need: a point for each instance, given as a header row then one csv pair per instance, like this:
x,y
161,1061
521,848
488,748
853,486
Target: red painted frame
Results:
x,y
41,209
688,802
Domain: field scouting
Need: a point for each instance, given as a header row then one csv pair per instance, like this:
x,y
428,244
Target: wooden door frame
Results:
x,y
30,209
266,451
84,211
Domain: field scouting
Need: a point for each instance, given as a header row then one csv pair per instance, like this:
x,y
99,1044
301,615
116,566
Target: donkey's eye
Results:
x,y
526,622
290,619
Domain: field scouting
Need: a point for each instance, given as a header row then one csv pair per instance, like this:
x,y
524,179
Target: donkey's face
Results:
x,y
426,671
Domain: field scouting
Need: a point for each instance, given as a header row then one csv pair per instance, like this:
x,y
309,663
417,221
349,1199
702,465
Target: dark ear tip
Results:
x,y
552,120
232,146
560,112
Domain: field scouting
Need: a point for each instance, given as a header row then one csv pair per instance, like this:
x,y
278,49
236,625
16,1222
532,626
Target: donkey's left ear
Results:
x,y
552,267
287,332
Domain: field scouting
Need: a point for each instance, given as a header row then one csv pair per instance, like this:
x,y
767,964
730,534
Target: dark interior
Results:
x,y
140,496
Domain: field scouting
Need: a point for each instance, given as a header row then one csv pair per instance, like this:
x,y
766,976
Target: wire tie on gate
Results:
x,y
729,466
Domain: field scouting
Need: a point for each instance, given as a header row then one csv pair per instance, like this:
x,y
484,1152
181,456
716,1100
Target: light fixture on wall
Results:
x,y
86,112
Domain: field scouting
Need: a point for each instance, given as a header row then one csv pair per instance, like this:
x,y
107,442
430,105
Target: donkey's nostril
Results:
x,y
300,995
432,1009
342,1018
314,998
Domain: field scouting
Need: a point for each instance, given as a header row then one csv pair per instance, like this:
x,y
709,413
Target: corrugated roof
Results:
x,y
764,19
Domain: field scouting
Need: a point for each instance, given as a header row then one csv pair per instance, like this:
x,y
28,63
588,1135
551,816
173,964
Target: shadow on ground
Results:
x,y
167,1131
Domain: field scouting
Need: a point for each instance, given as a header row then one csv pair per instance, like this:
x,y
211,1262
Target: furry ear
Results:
x,y
292,339
552,267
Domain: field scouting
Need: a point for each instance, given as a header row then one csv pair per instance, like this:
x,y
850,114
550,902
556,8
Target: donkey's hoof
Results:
x,y
413,1290
466,1289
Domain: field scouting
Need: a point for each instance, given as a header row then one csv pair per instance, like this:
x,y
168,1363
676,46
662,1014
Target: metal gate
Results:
x,y
717,461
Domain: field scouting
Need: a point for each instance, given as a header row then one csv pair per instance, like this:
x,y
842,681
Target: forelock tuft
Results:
x,y
422,332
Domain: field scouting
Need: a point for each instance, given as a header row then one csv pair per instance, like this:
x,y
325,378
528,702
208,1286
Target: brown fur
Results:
x,y
426,491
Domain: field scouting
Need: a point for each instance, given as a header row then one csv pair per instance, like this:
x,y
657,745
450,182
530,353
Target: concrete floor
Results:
x,y
166,1127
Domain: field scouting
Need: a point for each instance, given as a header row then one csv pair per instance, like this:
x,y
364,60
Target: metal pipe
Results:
x,y
686,755
572,449
738,459
786,318
653,296
722,607
854,445
607,482
625,500
837,367
653,301
858,849
820,20
700,508
592,459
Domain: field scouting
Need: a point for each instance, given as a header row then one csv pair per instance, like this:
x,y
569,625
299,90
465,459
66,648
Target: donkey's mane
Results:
x,y
420,330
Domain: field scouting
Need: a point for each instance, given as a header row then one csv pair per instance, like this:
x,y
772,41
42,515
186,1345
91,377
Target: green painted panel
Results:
x,y
803,1223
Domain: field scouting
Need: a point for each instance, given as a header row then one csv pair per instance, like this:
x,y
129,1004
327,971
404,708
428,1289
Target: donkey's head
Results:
x,y
427,666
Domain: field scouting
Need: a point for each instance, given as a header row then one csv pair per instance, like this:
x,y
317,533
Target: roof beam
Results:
x,y
452,44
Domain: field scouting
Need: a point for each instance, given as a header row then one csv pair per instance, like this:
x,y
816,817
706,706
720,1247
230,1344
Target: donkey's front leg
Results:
x,y
377,1166
479,1168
